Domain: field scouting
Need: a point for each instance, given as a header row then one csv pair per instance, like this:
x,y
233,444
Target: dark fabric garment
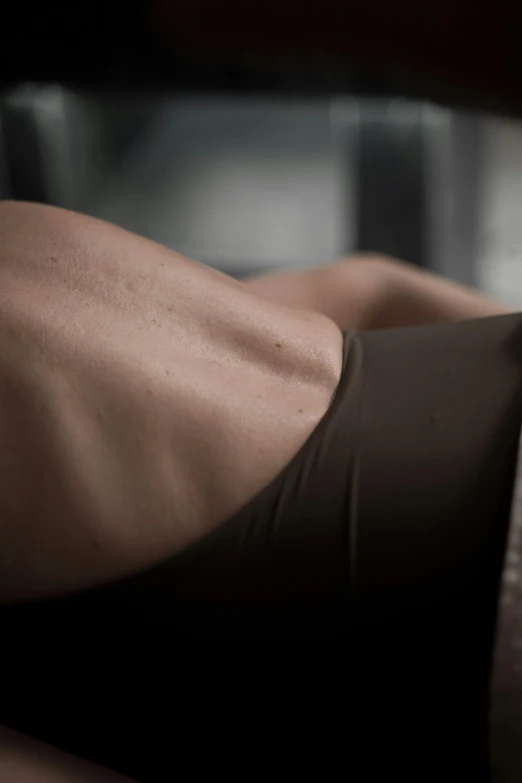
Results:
x,y
441,420
375,556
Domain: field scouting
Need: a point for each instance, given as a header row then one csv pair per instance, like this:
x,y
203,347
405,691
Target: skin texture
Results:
x,y
144,398
376,292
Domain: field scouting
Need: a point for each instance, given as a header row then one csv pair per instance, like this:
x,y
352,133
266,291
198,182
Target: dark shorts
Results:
x,y
383,537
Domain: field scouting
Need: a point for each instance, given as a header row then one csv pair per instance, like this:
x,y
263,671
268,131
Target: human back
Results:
x,y
145,398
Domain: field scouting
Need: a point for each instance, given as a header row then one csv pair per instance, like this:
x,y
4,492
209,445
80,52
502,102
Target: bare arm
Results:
x,y
373,292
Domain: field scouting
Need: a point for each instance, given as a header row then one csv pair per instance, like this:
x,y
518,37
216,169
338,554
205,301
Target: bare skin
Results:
x,y
145,398
376,292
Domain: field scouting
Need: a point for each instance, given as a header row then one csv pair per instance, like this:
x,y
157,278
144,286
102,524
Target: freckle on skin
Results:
x,y
96,544
278,345
300,410
259,396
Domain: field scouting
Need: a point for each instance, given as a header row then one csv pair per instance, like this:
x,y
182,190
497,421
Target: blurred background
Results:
x,y
249,174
